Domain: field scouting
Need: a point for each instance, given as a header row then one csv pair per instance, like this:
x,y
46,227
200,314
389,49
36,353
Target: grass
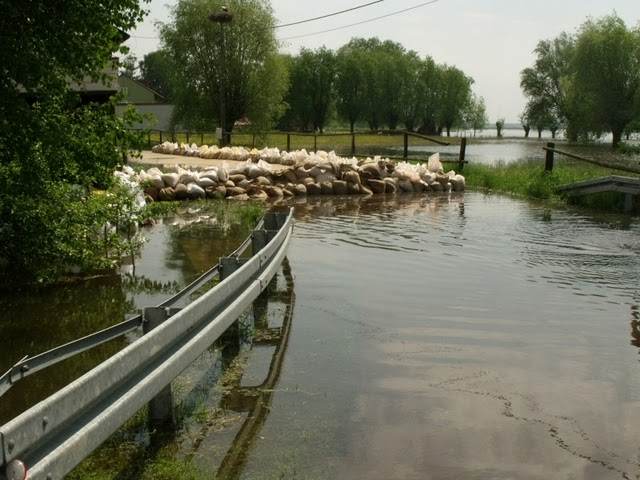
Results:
x,y
527,179
338,142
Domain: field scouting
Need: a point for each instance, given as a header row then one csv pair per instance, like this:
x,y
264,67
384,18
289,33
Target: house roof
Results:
x,y
141,85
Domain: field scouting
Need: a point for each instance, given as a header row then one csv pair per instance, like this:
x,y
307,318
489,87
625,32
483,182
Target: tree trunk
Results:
x,y
448,131
617,137
352,125
526,132
539,133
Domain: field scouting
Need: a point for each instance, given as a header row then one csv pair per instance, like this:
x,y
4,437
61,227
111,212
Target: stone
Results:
x,y
167,194
326,188
313,189
181,192
339,187
376,186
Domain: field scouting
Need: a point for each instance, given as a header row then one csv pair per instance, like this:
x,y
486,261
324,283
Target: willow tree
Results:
x,y
235,63
455,97
351,78
606,68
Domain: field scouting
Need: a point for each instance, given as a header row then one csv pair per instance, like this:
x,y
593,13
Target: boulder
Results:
x,y
376,185
339,187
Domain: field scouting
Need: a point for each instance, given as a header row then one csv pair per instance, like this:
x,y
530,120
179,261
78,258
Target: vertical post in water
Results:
x,y
288,142
406,145
160,406
548,163
463,151
353,144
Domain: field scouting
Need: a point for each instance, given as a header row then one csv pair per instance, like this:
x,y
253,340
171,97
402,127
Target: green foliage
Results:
x,y
455,96
500,126
55,148
157,71
237,58
588,83
310,96
475,116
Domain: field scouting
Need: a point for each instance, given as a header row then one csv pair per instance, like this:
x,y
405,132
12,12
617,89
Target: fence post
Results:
x,y
160,135
353,144
463,151
548,164
406,145
288,142
188,137
315,143
161,406
149,138
173,136
253,141
201,138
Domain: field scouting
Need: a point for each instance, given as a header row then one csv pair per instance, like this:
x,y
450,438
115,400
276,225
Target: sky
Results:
x,y
491,40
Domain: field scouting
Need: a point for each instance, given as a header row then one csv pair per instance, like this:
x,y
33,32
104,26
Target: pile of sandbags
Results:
x,y
321,173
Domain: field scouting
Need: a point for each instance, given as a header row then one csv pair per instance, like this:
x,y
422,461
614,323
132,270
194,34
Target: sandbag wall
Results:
x,y
319,173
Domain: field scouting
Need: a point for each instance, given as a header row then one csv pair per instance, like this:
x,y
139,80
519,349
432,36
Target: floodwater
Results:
x,y
451,337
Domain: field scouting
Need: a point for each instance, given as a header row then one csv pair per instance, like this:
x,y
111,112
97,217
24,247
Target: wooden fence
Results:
x,y
154,137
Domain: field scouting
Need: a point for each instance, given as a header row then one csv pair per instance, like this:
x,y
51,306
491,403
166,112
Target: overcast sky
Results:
x,y
491,40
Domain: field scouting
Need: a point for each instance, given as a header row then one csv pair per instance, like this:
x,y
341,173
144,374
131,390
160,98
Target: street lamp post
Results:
x,y
222,17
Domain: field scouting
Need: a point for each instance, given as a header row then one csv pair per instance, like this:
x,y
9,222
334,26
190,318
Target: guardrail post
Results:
x,y
463,151
548,164
288,142
161,411
353,144
406,145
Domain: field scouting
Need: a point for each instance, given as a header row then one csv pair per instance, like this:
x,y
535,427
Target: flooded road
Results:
x,y
466,337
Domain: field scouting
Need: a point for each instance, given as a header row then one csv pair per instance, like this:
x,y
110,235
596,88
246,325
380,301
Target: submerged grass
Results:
x,y
528,179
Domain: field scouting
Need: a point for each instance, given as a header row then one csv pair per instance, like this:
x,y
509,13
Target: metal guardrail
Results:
x,y
29,365
55,435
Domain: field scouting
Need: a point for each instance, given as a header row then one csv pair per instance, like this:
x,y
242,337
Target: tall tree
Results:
x,y
350,84
430,83
156,71
455,96
607,74
232,58
476,114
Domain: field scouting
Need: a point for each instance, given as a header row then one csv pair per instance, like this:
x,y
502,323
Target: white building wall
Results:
x,y
160,112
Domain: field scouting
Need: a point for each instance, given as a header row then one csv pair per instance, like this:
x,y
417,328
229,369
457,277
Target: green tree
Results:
x,y
157,72
235,58
525,121
54,148
311,91
454,97
410,95
606,68
350,83
430,84
476,114
500,126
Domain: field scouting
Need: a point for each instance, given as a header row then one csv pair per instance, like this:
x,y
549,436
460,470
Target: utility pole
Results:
x,y
222,17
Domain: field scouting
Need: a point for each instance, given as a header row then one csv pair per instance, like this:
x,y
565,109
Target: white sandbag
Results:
x,y
434,165
195,191
205,182
170,179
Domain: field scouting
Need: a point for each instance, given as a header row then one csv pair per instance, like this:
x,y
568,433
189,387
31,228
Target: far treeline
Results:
x,y
367,82
587,83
